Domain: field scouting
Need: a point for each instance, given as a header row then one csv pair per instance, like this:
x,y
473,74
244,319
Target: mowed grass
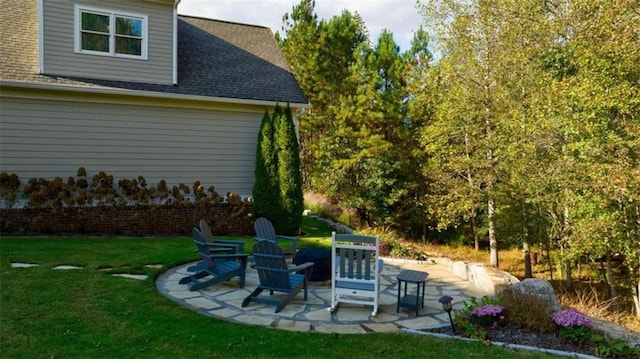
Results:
x,y
88,313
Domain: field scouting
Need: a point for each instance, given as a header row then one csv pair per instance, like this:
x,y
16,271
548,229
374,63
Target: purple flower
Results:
x,y
488,310
487,315
570,318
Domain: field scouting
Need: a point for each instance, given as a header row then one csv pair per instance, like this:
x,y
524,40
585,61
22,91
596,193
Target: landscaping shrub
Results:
x,y
527,311
132,208
289,176
266,191
277,191
462,318
9,185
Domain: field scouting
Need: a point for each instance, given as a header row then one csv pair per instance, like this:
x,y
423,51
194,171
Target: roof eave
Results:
x,y
148,94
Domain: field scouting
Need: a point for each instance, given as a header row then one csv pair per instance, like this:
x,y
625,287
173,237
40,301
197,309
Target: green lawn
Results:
x,y
87,313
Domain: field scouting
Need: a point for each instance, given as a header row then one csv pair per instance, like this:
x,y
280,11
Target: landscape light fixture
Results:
x,y
447,307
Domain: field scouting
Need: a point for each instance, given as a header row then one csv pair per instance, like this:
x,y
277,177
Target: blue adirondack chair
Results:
x,y
265,231
208,237
217,267
276,276
356,270
216,246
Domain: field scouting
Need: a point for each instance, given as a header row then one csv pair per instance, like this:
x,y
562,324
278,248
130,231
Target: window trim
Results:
x,y
77,33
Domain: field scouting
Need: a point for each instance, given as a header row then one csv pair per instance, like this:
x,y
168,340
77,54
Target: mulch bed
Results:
x,y
514,335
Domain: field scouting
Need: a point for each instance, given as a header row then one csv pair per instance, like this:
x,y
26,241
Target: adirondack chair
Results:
x,y
217,267
216,246
265,231
356,270
276,276
208,238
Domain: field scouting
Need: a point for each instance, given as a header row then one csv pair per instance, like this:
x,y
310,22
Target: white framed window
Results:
x,y
110,33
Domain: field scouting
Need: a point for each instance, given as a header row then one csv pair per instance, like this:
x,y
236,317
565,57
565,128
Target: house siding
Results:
x,y
53,138
61,59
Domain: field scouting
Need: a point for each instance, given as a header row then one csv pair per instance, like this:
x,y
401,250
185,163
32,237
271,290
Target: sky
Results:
x,y
401,17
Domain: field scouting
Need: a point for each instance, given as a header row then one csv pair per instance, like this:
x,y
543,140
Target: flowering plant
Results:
x,y
573,325
487,315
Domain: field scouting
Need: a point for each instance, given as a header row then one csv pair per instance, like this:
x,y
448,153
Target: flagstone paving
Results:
x,y
312,315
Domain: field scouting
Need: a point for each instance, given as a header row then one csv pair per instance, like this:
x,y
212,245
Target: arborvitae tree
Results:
x,y
289,176
266,191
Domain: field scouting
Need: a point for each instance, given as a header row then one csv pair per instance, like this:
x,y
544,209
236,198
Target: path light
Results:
x,y
447,306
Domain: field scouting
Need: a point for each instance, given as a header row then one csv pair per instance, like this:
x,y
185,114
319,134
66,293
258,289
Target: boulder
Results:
x,y
538,287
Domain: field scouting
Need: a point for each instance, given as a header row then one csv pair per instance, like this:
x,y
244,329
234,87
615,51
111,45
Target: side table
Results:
x,y
411,301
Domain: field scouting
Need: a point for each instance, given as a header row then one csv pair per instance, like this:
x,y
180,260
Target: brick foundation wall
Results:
x,y
224,219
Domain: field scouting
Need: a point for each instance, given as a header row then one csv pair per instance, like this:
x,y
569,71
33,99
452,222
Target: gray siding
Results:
x,y
60,58
46,138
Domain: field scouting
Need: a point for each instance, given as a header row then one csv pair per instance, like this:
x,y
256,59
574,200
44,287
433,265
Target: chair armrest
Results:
x,y
237,245
241,256
301,267
292,240
216,248
271,269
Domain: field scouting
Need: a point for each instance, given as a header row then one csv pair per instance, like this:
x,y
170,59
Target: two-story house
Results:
x,y
131,88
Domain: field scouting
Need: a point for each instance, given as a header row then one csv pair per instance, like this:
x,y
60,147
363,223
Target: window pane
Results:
x,y
128,26
95,42
95,22
129,46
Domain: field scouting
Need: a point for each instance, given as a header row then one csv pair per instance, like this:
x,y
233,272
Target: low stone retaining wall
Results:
x,y
338,227
492,280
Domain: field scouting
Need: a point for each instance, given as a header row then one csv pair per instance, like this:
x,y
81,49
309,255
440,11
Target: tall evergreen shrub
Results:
x,y
289,176
266,191
277,192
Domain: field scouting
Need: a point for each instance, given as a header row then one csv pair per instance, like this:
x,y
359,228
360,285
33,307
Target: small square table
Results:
x,y
411,301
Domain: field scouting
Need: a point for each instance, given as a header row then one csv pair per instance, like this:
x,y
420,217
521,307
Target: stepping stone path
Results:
x,y
132,276
66,267
70,267
23,265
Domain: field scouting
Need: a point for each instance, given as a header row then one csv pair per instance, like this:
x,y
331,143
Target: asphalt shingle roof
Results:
x,y
215,59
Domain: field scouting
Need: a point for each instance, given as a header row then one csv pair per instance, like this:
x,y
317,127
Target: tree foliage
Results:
x,y
522,131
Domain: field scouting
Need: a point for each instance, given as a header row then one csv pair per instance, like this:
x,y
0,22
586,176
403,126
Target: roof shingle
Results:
x,y
215,59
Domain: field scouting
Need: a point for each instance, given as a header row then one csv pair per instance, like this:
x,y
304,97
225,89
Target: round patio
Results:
x,y
224,301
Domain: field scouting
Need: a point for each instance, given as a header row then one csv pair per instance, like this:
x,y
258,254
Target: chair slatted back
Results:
x,y
358,256
271,266
264,229
206,230
204,251
232,245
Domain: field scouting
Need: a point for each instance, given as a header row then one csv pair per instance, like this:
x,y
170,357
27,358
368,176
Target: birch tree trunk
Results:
x,y
565,235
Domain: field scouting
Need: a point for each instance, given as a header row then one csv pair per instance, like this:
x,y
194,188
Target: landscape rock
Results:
x,y
538,287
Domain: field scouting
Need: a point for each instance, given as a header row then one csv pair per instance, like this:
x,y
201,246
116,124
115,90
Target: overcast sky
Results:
x,y
401,17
